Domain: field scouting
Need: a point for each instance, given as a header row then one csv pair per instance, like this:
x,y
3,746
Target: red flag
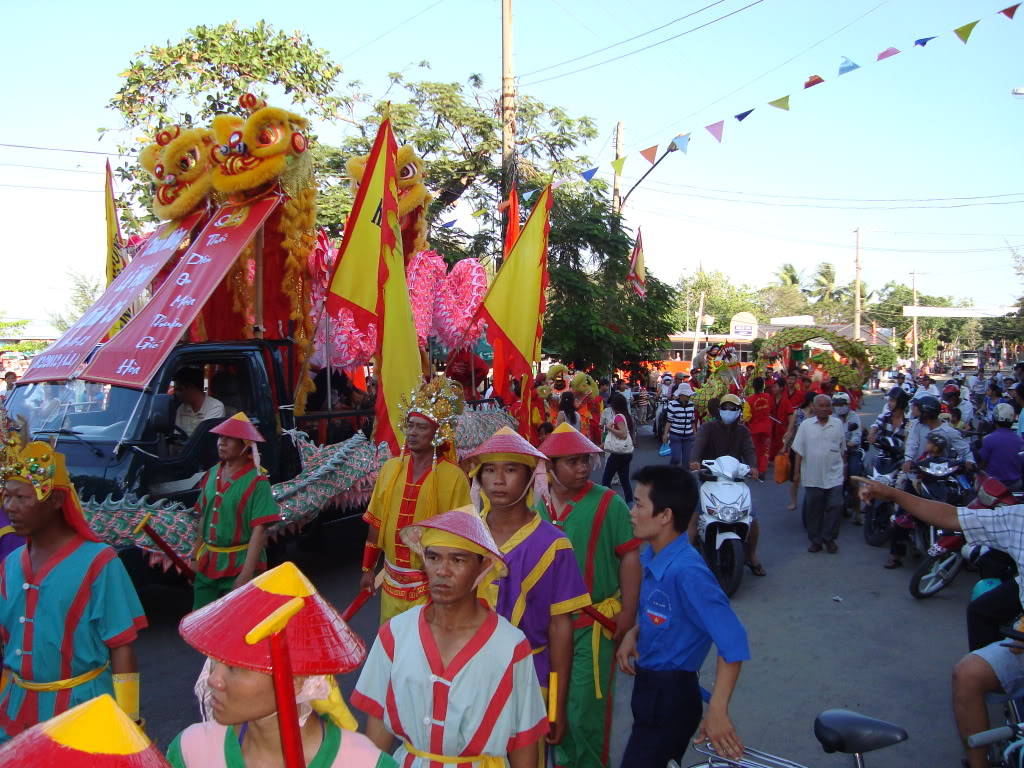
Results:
x,y
1008,12
637,277
650,154
512,233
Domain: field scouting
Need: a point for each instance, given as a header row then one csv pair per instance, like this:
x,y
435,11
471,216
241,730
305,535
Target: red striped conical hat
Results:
x,y
238,426
96,734
566,441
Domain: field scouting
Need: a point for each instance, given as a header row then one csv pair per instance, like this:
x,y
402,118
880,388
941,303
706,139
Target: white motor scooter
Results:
x,y
724,520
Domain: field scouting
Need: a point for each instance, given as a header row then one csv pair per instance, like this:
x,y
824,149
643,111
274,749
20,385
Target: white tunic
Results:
x,y
486,702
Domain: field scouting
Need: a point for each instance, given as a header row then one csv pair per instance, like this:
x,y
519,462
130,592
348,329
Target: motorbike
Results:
x,y
878,514
724,519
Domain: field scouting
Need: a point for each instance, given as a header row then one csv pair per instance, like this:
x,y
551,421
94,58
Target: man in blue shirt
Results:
x,y
682,610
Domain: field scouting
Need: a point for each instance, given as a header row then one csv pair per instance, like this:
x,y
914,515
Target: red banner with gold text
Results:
x,y
65,355
134,355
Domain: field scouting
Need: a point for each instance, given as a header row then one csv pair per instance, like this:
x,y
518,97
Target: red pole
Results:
x,y
287,710
600,618
358,602
166,549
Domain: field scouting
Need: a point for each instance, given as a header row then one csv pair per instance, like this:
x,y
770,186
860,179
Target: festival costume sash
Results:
x,y
62,359
134,355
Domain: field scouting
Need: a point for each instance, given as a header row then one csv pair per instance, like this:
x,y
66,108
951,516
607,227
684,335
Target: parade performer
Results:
x,y
453,680
236,688
96,734
544,585
596,520
236,505
68,611
410,488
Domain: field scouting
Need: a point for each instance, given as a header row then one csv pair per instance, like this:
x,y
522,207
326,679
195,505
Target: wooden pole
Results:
x,y
508,111
617,179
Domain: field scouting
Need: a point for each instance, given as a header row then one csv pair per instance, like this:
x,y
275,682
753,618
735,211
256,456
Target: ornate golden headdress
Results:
x,y
36,463
440,400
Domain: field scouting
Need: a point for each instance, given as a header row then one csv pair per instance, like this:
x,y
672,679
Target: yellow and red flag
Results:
x,y
115,245
637,277
514,305
369,281
512,232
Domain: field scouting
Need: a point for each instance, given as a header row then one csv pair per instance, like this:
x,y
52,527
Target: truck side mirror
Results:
x,y
161,417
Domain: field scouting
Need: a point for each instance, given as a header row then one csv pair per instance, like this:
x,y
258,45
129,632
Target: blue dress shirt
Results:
x,y
682,611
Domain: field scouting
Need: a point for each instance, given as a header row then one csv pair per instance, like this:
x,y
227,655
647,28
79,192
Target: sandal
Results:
x,y
756,568
893,562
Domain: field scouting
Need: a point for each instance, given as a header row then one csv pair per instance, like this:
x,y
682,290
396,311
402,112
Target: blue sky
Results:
x,y
938,122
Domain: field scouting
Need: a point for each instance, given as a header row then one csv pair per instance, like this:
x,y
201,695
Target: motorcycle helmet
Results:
x,y
950,390
929,406
939,440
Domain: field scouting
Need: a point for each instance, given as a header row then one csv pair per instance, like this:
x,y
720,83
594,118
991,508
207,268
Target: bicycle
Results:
x,y
838,730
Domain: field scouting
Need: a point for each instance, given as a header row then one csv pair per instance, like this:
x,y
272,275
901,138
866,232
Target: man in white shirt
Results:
x,y
820,447
196,405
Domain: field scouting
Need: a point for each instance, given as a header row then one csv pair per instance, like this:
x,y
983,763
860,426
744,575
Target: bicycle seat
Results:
x,y
840,730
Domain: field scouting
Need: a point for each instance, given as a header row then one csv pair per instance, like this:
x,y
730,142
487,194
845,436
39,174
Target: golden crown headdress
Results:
x,y
35,463
442,401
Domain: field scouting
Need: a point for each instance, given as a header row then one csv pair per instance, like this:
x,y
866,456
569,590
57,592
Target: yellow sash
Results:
x,y
220,550
611,607
485,761
60,685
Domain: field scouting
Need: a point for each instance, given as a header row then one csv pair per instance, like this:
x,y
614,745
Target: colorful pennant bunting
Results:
x,y
924,41
478,214
1008,12
650,154
556,184
528,195
887,53
588,175
715,129
682,141
847,66
814,80
449,224
964,32
782,103
743,115
617,164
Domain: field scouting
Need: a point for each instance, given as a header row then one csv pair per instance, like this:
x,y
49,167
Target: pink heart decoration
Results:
x,y
456,303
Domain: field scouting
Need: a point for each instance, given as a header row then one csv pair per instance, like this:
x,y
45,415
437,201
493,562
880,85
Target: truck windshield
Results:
x,y
94,411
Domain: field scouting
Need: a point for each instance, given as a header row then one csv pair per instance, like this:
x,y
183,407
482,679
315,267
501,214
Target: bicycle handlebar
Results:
x,y
983,739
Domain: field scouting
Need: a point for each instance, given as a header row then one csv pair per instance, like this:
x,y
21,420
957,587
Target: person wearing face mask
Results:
x,y
843,411
728,436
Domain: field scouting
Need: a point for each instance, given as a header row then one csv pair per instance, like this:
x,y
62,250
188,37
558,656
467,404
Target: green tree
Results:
x,y
788,277
883,356
723,298
84,292
780,301
13,328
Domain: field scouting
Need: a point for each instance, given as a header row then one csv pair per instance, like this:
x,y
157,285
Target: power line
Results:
x,y
388,32
621,42
57,149
773,69
646,47
52,189
49,168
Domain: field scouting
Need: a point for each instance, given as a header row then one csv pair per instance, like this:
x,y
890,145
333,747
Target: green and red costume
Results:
x,y
229,508
596,520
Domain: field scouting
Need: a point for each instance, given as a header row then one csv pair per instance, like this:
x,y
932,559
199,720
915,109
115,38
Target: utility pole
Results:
x,y
617,179
856,290
508,111
913,279
700,318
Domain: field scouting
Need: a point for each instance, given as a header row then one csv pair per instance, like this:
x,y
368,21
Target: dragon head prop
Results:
x,y
413,197
181,165
257,151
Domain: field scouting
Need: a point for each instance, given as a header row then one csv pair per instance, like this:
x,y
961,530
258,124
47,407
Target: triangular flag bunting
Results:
x,y
715,129
617,164
650,154
923,41
743,115
887,53
503,205
588,175
449,224
782,103
964,32
556,184
682,141
478,214
814,80
1008,12
847,66
528,195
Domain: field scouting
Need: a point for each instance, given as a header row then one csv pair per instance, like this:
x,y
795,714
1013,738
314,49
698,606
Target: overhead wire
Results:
x,y
388,32
50,168
58,149
51,189
621,42
645,48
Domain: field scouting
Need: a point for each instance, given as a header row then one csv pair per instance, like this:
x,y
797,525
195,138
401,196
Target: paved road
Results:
x,y
876,650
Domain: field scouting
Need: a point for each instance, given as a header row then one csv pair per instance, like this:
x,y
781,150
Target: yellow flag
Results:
x,y
115,253
617,164
514,305
782,103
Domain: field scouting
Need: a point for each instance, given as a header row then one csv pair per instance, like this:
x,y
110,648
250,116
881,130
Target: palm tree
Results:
x,y
824,286
788,276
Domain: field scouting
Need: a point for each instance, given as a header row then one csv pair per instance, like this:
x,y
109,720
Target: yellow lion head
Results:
x,y
413,196
181,164
257,151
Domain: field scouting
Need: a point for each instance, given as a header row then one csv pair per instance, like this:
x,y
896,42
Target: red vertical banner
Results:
x,y
66,354
134,355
